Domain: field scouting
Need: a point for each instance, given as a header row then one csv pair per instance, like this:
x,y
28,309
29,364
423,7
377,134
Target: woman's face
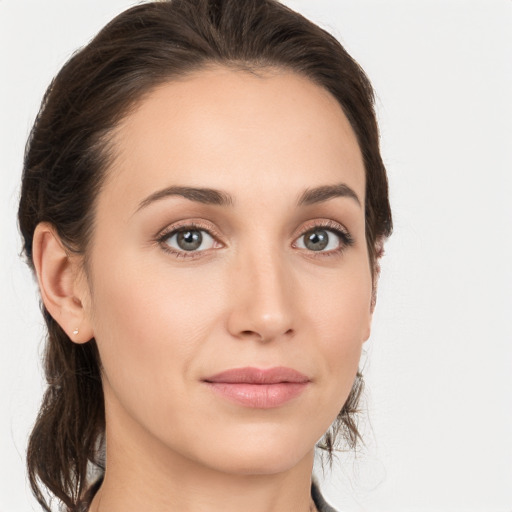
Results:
x,y
230,234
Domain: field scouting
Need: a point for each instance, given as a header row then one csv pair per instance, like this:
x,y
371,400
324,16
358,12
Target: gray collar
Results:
x,y
319,500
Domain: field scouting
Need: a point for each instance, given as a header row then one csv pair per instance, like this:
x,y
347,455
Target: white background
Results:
x,y
439,363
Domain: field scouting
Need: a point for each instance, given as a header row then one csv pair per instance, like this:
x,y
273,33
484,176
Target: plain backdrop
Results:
x,y
439,363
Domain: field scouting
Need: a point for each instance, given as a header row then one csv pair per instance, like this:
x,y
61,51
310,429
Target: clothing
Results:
x,y
319,500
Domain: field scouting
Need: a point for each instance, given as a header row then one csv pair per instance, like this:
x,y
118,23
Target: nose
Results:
x,y
261,299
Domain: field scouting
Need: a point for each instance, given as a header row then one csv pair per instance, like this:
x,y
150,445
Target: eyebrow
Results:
x,y
326,192
197,194
220,198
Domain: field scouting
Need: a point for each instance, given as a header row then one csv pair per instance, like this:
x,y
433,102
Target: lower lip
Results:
x,y
261,396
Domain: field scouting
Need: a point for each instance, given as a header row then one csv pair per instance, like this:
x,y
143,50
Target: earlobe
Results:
x,y
62,289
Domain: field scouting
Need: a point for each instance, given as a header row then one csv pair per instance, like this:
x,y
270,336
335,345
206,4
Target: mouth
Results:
x,y
258,388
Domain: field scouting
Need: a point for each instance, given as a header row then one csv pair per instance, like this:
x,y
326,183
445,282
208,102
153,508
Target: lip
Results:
x,y
258,388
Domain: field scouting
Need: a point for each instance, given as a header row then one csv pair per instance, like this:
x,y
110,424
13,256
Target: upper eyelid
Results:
x,y
207,226
326,223
194,224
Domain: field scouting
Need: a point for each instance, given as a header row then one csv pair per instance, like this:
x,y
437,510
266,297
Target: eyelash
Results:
x,y
345,238
343,235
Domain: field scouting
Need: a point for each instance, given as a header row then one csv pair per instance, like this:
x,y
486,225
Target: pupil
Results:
x,y
189,240
317,240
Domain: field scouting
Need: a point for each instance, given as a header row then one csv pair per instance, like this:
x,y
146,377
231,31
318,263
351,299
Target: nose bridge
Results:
x,y
262,293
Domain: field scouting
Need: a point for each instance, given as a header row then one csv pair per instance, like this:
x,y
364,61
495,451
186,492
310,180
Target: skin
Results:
x,y
255,296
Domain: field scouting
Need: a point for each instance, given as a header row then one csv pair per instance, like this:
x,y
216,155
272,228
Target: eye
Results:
x,y
188,239
318,240
324,239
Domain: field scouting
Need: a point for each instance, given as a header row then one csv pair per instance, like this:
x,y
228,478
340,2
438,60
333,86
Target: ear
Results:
x,y
379,252
62,285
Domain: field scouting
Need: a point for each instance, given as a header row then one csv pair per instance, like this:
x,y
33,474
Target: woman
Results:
x,y
204,205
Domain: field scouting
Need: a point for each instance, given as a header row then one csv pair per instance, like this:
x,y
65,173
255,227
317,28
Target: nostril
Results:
x,y
265,337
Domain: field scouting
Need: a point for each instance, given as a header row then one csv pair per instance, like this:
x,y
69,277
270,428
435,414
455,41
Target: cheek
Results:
x,y
341,317
149,325
340,303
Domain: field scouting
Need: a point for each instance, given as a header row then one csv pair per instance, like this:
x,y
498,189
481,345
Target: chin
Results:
x,y
263,453
259,462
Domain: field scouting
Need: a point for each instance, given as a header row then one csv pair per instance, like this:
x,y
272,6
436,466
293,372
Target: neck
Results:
x,y
144,478
199,491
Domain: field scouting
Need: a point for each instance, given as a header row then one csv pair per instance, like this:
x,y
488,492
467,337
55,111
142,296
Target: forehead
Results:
x,y
236,130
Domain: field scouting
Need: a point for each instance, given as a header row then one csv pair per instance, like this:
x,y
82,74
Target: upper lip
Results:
x,y
249,375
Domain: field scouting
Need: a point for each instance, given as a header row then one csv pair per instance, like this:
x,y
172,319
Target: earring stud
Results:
x,y
75,332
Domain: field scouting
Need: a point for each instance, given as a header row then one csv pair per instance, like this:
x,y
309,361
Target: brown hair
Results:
x,y
68,153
